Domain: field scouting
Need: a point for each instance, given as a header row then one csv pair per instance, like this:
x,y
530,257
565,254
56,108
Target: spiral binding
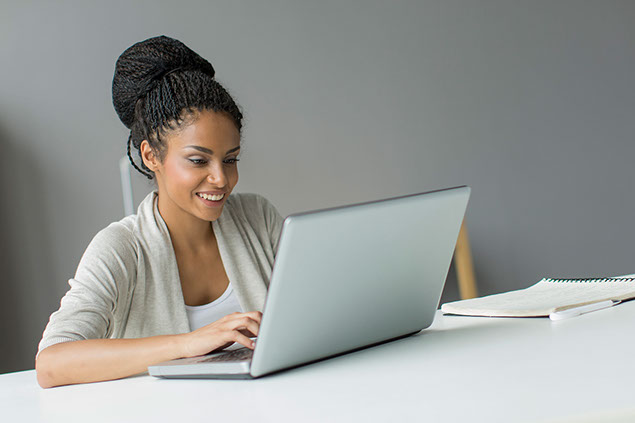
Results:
x,y
589,280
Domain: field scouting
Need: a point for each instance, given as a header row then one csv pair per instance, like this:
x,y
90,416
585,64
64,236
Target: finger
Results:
x,y
231,316
242,339
245,323
256,315
247,333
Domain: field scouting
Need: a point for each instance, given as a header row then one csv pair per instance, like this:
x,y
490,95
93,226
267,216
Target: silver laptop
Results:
x,y
345,278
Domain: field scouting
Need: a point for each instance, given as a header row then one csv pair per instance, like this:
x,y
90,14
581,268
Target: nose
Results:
x,y
217,176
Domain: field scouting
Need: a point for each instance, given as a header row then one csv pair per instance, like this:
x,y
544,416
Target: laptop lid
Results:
x,y
357,275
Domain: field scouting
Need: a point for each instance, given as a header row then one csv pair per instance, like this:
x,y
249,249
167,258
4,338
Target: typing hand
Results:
x,y
235,327
234,345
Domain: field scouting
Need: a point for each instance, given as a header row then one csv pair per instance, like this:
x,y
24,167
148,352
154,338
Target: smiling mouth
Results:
x,y
211,197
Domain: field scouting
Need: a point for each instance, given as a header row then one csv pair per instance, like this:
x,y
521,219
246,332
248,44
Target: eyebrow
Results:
x,y
208,151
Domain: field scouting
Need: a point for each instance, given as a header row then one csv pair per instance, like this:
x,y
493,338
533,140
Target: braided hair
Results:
x,y
159,85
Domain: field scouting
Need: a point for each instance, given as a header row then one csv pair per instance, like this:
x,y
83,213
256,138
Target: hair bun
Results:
x,y
141,66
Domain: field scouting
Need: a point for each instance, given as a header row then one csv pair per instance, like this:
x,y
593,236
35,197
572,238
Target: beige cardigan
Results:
x,y
127,283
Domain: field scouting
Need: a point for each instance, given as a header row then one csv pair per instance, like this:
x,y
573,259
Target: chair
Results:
x,y
126,185
464,265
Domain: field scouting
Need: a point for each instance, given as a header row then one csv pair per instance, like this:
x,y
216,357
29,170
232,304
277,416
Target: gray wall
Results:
x,y
532,103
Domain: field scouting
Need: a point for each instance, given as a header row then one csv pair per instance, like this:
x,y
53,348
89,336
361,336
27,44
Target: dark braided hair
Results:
x,y
160,84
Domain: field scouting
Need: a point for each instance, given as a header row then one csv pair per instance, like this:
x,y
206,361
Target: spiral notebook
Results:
x,y
546,297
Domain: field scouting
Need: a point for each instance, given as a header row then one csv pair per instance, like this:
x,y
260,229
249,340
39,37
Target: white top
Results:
x,y
203,315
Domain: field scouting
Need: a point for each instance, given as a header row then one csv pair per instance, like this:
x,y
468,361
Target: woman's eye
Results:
x,y
201,162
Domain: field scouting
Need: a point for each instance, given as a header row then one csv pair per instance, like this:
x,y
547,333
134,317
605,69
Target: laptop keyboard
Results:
x,y
242,354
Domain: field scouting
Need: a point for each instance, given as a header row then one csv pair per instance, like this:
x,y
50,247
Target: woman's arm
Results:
x,y
96,360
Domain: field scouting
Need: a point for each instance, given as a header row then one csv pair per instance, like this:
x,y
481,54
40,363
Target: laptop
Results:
x,y
344,279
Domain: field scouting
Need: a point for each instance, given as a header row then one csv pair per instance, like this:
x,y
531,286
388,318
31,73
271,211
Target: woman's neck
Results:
x,y
189,234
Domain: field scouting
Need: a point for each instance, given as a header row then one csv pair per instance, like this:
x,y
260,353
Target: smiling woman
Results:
x,y
187,274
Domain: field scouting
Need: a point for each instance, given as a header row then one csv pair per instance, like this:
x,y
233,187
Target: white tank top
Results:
x,y
205,314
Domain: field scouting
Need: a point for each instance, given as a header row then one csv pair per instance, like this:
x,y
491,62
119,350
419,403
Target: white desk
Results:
x,y
462,369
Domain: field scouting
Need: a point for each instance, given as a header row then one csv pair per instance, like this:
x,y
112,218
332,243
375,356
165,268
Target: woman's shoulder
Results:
x,y
120,231
125,233
118,238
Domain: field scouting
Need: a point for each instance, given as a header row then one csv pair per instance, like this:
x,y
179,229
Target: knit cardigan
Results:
x,y
127,282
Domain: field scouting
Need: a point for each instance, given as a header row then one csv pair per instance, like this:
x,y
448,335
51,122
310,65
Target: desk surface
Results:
x,y
460,369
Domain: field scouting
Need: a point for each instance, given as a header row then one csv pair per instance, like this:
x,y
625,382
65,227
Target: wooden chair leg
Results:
x,y
464,265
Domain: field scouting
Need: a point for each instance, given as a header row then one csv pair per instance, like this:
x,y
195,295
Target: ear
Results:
x,y
148,156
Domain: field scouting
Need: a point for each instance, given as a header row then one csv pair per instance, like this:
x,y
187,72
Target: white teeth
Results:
x,y
211,197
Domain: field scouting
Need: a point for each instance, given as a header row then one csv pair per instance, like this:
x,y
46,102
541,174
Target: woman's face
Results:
x,y
199,169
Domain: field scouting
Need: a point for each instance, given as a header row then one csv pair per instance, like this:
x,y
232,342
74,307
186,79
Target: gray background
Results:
x,y
531,103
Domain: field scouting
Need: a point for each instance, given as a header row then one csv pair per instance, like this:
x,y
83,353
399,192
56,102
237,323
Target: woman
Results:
x,y
188,274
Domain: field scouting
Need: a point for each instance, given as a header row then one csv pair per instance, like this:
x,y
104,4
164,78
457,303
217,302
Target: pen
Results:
x,y
587,308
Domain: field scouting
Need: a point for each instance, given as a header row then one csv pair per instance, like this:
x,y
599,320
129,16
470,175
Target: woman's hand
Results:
x,y
93,360
235,327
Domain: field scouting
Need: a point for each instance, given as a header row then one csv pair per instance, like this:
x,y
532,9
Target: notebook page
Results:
x,y
543,298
